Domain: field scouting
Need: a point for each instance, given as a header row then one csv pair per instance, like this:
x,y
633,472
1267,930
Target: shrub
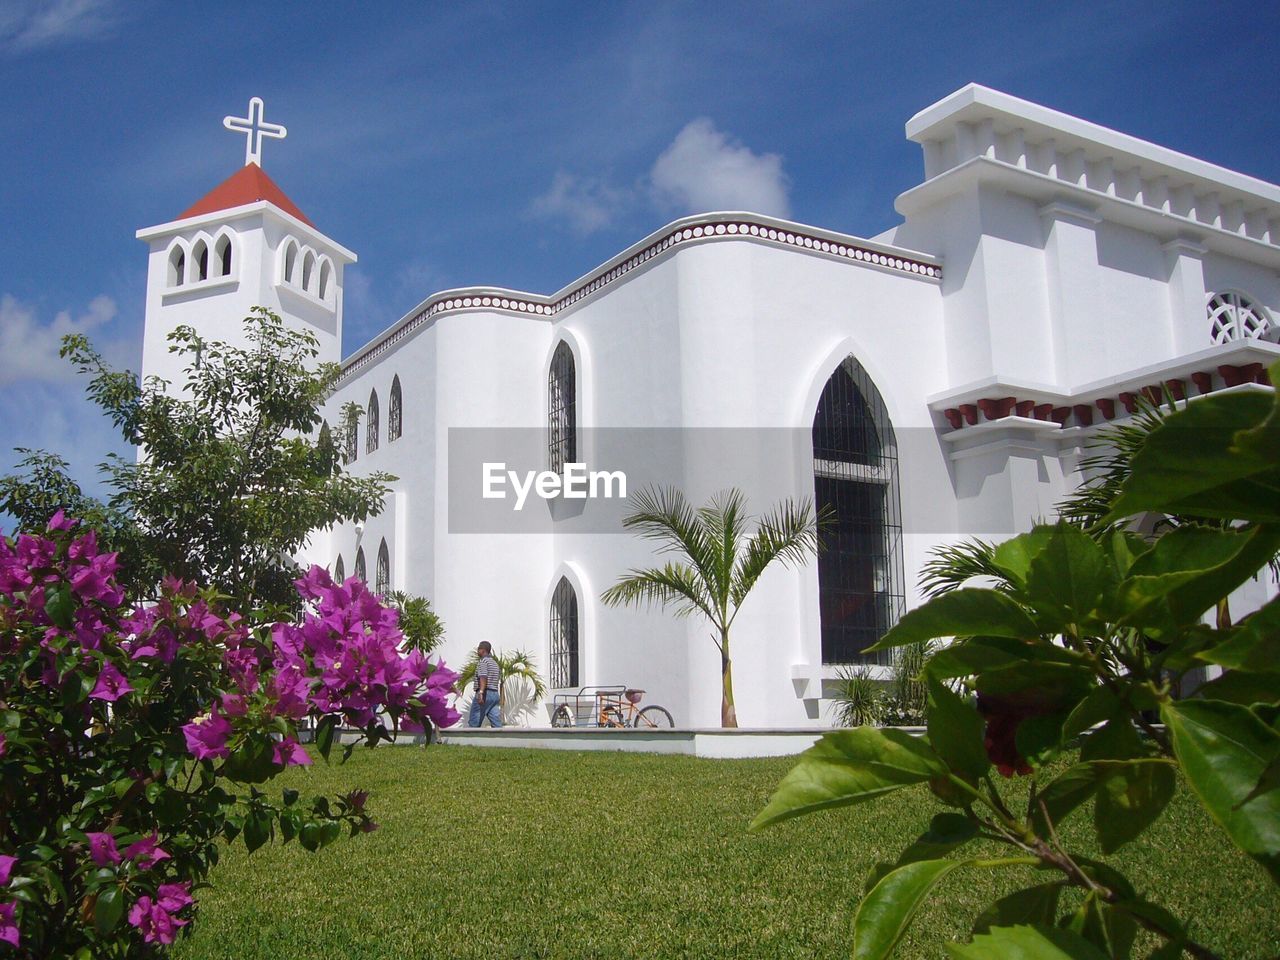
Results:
x,y
134,740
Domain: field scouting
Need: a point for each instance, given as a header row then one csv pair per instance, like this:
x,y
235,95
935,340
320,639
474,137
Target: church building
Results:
x,y
935,382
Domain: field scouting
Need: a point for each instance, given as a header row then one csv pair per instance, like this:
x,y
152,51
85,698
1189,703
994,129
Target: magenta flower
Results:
x,y
145,852
6,868
156,924
59,521
173,896
102,849
289,753
233,705
207,737
111,685
8,926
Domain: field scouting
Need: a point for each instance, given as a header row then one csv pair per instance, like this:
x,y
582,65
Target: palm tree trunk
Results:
x,y
728,713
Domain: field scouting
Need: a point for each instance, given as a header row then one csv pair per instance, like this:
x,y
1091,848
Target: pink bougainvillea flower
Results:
x,y
156,924
289,753
8,925
59,521
233,705
102,849
207,737
146,853
111,685
173,896
6,868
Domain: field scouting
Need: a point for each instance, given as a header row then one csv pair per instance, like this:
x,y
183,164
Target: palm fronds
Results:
x,y
954,565
857,700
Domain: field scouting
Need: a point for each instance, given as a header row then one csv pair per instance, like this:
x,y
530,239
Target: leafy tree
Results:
x,y
1080,641
422,627
719,562
230,482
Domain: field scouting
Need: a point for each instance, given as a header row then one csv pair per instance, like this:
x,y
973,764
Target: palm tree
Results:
x,y
515,665
718,563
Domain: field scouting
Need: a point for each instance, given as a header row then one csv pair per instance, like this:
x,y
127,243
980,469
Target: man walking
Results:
x,y
486,689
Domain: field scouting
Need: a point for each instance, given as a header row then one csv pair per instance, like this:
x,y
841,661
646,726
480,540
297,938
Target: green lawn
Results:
x,y
526,853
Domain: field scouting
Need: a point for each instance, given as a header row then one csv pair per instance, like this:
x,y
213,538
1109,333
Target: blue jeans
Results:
x,y
488,707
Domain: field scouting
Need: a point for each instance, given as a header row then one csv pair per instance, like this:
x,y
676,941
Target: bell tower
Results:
x,y
243,244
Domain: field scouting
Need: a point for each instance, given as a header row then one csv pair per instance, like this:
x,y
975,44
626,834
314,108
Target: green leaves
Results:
x,y
1026,943
956,731
1224,750
1130,794
967,612
887,911
107,909
847,767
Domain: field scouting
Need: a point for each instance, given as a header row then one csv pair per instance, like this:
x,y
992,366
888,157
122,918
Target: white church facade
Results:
x,y
940,380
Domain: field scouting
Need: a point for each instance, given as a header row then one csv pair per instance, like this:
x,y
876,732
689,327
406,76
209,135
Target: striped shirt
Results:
x,y
487,668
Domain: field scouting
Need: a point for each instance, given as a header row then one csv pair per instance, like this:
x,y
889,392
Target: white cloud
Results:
x,y
589,204
33,24
704,169
29,348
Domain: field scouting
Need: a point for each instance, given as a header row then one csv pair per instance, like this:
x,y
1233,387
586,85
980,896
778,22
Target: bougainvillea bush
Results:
x,y
135,740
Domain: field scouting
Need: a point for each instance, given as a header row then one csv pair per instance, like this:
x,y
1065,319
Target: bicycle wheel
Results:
x,y
563,717
654,718
611,717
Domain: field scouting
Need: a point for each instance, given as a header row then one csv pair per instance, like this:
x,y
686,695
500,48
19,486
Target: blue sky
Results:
x,y
520,144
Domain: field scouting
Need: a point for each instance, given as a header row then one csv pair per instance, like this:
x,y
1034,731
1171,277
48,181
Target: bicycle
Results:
x,y
611,707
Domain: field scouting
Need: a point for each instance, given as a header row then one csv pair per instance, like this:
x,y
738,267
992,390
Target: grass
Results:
x,y
524,853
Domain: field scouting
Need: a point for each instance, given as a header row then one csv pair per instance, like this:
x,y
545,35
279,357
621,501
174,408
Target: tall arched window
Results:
x,y
395,415
290,262
855,475
382,583
308,268
564,635
200,255
339,570
223,251
351,444
1233,316
177,266
325,271
371,423
562,423
359,572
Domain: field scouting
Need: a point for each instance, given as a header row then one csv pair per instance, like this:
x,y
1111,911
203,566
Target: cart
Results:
x,y
616,706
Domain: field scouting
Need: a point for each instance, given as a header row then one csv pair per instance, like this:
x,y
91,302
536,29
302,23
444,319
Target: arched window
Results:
x,y
360,564
395,415
371,423
200,256
855,475
382,584
352,445
564,635
1233,316
177,266
290,261
308,268
339,570
325,272
223,251
562,422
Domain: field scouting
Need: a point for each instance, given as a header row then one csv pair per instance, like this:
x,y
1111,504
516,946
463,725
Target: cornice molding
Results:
x,y
709,227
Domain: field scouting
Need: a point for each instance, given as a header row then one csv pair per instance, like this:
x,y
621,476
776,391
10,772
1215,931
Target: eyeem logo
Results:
x,y
577,483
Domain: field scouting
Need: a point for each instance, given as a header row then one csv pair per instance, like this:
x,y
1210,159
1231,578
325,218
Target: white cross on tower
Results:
x,y
254,128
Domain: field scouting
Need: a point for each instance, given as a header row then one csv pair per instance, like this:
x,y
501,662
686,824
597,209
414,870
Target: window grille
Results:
x,y
395,417
1233,316
564,635
371,424
855,470
562,424
382,584
360,564
339,571
352,441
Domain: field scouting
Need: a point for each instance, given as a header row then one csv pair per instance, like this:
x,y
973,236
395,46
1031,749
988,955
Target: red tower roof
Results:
x,y
247,185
